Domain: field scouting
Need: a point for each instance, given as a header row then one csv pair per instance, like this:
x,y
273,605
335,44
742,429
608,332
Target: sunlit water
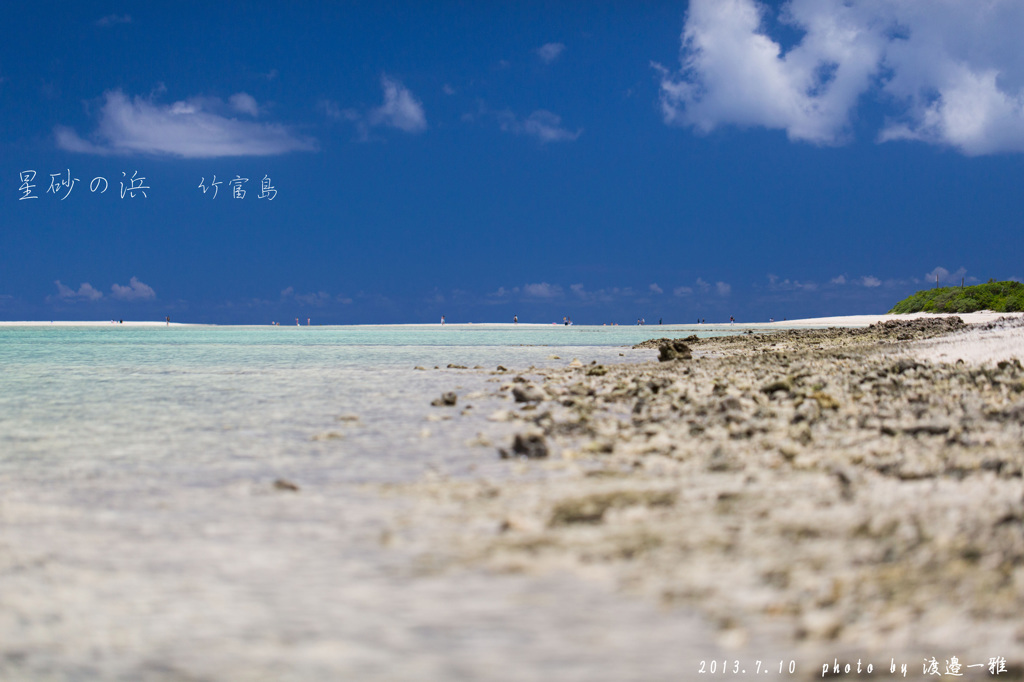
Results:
x,y
143,539
235,397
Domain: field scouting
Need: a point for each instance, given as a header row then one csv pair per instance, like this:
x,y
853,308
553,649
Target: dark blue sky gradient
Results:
x,y
463,217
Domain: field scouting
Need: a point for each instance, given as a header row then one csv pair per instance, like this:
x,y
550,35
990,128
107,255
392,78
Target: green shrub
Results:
x,y
1002,297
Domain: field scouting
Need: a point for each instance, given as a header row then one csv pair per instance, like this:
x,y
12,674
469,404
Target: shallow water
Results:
x,y
143,538
232,397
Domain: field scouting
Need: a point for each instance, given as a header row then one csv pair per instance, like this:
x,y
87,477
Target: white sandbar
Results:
x,y
865,320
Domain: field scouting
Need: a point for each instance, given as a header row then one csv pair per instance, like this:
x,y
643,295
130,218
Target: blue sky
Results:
x,y
605,161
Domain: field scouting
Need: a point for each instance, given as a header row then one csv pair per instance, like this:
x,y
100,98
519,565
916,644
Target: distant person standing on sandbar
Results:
x,y
168,318
515,319
442,320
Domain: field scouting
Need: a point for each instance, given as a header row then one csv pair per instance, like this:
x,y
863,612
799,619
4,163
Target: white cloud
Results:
x,y
135,291
542,124
113,20
945,276
189,129
578,290
317,299
244,103
549,52
85,292
959,74
614,293
870,282
655,289
447,89
183,108
542,290
606,295
951,72
735,74
720,288
839,280
332,110
400,109
776,284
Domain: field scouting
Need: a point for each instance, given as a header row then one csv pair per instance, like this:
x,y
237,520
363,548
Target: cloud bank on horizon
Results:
x,y
135,290
947,72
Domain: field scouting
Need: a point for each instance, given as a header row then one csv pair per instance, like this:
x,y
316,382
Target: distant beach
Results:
x,y
838,321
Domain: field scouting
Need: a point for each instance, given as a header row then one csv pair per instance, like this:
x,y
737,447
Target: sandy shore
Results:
x,y
980,344
839,321
865,320
817,494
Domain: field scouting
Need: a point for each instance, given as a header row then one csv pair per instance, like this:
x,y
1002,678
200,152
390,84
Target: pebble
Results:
x,y
447,399
527,393
286,485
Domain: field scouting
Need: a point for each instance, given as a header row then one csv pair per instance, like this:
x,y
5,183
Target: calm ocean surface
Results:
x,y
233,397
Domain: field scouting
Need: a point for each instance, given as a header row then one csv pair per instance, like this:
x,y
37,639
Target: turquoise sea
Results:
x,y
142,536
141,396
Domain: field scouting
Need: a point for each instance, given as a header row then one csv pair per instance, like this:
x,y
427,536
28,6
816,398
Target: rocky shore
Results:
x,y
818,494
